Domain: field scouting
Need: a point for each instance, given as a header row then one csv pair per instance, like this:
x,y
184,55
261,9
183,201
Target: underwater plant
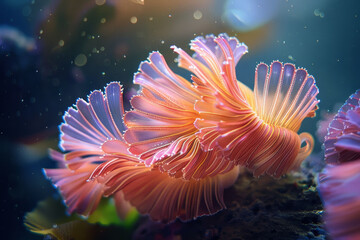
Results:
x,y
340,180
184,141
49,218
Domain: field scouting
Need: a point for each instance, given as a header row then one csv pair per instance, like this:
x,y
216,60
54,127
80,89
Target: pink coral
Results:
x,y
339,182
99,164
183,142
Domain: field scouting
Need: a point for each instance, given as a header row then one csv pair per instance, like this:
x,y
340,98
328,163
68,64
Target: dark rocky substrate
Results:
x,y
258,208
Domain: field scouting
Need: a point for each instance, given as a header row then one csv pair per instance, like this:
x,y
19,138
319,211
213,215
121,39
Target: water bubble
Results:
x,y
26,11
61,43
100,2
319,13
103,20
198,15
80,60
141,2
247,15
133,19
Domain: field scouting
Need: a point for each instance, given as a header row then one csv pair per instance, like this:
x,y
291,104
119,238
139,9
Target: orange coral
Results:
x,y
183,142
98,164
254,129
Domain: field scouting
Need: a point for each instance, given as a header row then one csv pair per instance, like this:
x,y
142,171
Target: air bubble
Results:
x,y
80,60
61,43
133,20
198,15
100,2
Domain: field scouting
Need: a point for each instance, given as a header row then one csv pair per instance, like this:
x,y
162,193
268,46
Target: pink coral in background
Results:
x,y
342,143
339,182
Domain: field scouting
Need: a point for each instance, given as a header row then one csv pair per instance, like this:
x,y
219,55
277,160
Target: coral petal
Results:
x,y
79,195
161,125
89,125
339,189
284,96
123,207
116,147
165,198
343,138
